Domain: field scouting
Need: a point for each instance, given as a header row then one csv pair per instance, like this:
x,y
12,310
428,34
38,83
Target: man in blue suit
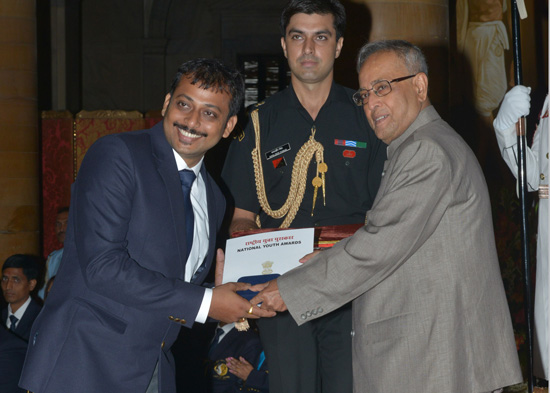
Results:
x,y
138,247
19,278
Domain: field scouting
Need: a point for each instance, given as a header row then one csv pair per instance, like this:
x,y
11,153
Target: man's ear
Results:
x,y
339,45
32,284
166,103
421,85
283,45
231,123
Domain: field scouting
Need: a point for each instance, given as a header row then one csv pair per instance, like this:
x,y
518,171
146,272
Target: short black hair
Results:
x,y
320,7
64,209
29,264
412,56
213,74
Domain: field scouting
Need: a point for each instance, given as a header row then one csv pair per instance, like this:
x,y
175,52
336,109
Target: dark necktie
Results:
x,y
13,320
216,340
187,178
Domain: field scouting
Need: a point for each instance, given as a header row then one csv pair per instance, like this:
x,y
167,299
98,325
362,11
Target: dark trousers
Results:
x,y
312,358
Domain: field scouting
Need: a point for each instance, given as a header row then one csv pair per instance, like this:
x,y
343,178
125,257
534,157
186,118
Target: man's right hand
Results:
x,y
228,307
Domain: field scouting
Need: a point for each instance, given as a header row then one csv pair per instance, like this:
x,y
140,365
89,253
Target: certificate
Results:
x,y
266,253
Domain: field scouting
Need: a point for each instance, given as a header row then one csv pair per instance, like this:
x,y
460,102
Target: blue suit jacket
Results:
x,y
120,298
12,355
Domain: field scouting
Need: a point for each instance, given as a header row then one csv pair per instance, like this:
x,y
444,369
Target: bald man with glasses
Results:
x,y
429,309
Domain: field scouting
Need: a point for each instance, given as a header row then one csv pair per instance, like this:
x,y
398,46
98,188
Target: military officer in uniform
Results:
x,y
312,160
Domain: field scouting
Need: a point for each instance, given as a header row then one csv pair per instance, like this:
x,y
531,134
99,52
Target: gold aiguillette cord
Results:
x,y
298,178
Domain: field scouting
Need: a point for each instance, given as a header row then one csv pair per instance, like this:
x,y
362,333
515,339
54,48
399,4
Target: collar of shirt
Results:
x,y
180,162
19,313
200,210
226,329
337,94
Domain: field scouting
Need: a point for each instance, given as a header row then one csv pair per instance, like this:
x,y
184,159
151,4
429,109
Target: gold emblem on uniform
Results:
x,y
221,369
242,325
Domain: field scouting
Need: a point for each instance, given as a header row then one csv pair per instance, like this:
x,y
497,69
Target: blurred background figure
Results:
x,y
54,259
19,278
48,287
482,37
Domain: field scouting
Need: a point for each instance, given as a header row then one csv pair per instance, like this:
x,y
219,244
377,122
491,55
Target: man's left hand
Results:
x,y
227,306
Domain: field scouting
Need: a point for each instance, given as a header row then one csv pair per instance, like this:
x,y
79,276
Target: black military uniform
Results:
x,y
355,159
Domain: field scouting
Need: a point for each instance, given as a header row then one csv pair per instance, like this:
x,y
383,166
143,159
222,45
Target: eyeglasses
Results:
x,y
381,88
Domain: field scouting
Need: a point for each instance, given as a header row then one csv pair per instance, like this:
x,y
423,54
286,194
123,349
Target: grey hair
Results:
x,y
412,56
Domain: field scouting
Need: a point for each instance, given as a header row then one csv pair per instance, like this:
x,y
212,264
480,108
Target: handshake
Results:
x,y
228,306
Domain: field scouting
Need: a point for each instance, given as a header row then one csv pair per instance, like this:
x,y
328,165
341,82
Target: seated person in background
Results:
x,y
19,275
12,356
54,259
236,362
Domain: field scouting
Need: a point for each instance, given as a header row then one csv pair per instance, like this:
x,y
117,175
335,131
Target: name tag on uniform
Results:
x,y
277,151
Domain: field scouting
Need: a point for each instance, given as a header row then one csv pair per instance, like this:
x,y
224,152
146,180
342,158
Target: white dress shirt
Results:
x,y
18,314
226,329
201,234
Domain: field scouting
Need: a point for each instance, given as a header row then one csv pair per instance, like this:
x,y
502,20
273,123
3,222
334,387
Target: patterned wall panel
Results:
x,y
152,118
65,140
57,171
91,125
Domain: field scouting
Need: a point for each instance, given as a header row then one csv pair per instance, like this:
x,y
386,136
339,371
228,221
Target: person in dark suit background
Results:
x,y
19,278
12,356
236,362
139,247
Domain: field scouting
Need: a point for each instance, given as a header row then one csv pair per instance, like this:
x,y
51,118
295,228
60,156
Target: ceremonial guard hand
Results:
x,y
516,103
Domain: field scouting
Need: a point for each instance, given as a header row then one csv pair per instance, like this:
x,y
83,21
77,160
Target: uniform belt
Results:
x,y
543,191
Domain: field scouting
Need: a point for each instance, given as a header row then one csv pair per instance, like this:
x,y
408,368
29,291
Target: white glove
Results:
x,y
516,103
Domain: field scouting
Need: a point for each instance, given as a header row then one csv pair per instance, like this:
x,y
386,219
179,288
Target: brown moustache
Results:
x,y
308,58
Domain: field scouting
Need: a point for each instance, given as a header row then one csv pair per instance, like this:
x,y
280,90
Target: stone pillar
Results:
x,y
19,163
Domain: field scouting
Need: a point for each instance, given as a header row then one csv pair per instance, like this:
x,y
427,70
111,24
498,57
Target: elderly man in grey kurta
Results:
x,y
429,310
